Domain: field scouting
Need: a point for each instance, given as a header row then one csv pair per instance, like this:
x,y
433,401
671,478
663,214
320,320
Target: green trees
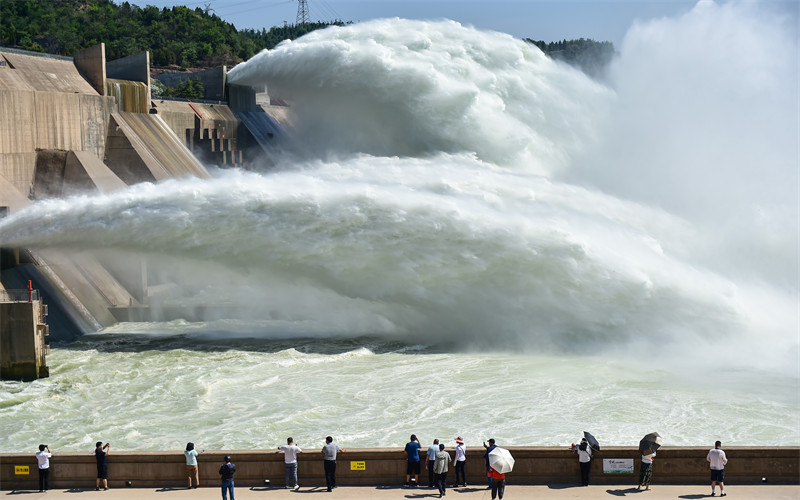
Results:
x,y
174,36
191,88
269,39
185,37
589,55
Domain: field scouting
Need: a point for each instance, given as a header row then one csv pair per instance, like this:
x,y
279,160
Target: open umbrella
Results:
x,y
592,441
500,459
650,443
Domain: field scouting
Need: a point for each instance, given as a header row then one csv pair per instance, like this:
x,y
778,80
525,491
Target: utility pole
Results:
x,y
302,13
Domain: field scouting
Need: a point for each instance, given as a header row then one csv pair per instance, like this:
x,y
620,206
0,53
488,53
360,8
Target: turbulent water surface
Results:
x,y
465,237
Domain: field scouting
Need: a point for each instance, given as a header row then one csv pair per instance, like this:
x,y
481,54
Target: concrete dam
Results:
x,y
83,125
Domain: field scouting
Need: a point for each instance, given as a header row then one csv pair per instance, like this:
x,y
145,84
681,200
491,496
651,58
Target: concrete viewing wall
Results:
x,y
747,465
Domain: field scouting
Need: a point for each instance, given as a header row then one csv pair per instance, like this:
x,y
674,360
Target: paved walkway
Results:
x,y
513,492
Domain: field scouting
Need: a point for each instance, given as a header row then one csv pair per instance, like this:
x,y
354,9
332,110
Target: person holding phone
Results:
x,y
101,451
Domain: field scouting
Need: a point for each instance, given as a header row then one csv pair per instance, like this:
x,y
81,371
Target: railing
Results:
x,y
19,295
35,54
183,99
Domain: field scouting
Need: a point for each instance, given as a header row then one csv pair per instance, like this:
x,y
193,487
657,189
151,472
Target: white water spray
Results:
x,y
456,188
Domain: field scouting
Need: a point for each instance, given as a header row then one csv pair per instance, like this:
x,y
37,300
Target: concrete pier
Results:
x,y
23,335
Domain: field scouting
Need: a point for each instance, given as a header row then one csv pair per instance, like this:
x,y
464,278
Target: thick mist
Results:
x,y
456,187
704,123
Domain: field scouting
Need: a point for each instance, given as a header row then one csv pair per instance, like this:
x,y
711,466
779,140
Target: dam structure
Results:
x,y
82,125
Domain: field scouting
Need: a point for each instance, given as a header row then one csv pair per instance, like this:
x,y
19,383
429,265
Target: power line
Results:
x,y
250,8
329,10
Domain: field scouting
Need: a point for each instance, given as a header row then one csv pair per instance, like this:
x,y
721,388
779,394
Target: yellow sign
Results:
x,y
21,469
358,465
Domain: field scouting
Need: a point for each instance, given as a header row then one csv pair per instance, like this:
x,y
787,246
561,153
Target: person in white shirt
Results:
x,y
191,466
290,451
646,471
717,459
429,459
584,452
460,461
43,457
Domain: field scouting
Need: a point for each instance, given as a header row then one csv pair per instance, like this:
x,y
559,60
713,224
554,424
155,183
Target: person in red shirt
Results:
x,y
498,483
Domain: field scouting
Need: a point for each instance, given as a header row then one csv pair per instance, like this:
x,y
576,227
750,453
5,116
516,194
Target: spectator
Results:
x,y
460,461
717,460
102,465
43,457
329,456
226,473
489,449
412,455
440,466
430,457
290,451
191,466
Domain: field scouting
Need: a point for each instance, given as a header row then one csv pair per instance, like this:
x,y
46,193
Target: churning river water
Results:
x,y
463,237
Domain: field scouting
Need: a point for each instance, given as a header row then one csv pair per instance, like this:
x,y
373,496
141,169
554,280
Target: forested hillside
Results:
x,y
180,36
177,36
589,55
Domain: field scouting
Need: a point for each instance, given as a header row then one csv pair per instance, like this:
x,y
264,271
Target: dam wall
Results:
x,y
31,121
84,125
210,130
134,68
55,124
534,465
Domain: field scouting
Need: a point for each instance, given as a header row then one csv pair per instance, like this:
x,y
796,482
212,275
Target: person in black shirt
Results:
x,y
102,467
226,471
489,449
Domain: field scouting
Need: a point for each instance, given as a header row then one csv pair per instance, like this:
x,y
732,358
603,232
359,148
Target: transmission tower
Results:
x,y
302,12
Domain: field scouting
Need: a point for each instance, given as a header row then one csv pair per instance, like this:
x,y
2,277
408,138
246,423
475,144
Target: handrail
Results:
x,y
19,295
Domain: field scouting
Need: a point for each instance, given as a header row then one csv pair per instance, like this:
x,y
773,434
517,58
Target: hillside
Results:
x,y
184,37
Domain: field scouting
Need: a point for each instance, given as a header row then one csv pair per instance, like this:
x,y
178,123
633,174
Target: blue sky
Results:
x,y
547,20
538,19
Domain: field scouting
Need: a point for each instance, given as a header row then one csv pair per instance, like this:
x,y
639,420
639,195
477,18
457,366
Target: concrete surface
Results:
x,y
608,492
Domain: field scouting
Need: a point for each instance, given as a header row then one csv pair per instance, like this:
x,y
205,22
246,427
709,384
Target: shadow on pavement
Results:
x,y
622,493
563,486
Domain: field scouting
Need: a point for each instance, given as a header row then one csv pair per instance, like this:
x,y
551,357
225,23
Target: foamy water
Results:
x,y
158,393
564,255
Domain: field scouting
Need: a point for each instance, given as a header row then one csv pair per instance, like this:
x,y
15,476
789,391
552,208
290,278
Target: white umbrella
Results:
x,y
500,459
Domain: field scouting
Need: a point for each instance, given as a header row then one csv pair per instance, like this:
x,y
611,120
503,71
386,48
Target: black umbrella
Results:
x,y
592,441
650,443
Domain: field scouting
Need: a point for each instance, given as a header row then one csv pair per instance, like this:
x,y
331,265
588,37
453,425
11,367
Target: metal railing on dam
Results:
x,y
35,54
19,295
